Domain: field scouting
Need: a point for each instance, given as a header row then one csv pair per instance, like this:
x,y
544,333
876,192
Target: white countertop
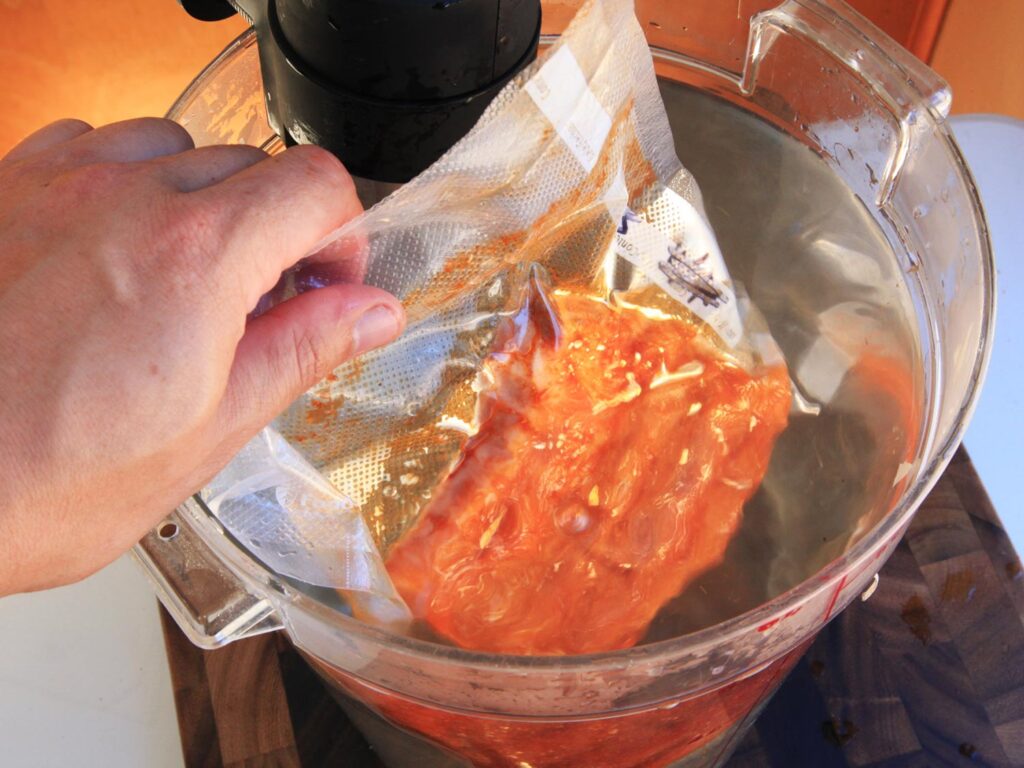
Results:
x,y
84,680
994,148
83,676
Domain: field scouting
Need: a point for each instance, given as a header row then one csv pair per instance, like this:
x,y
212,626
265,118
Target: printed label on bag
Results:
x,y
688,266
561,92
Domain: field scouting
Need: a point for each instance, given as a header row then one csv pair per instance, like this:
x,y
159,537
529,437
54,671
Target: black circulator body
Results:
x,y
386,85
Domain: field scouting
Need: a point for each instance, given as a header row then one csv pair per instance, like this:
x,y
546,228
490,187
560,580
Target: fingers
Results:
x,y
206,166
270,212
278,211
46,137
291,347
128,141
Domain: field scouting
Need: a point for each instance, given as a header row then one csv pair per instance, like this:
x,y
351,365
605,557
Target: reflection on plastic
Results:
x,y
699,727
285,513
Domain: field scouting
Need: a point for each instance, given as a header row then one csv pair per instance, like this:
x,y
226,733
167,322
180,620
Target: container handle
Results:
x,y
915,96
864,48
210,604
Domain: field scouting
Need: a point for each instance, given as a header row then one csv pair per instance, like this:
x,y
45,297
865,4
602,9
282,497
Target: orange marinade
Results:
x,y
650,738
616,448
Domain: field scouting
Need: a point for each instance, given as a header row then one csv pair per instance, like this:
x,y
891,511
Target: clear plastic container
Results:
x,y
807,93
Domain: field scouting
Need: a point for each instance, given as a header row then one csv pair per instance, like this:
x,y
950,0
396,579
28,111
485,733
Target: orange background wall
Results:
x,y
98,60
980,52
107,60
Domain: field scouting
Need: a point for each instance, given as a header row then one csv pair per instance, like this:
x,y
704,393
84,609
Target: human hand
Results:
x,y
130,372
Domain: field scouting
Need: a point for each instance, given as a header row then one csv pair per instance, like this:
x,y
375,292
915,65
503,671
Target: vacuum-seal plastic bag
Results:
x,y
292,519
582,402
613,454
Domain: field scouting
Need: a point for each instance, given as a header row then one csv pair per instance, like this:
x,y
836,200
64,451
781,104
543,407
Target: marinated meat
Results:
x,y
615,450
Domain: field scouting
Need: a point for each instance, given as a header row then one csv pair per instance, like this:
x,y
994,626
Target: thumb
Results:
x,y
291,347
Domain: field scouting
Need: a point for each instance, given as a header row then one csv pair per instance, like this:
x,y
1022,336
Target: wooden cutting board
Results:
x,y
929,671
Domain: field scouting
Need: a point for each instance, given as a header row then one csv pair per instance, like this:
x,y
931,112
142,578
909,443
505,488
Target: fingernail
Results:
x,y
375,327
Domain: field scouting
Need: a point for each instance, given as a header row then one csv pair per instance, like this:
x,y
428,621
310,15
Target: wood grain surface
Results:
x,y
928,672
